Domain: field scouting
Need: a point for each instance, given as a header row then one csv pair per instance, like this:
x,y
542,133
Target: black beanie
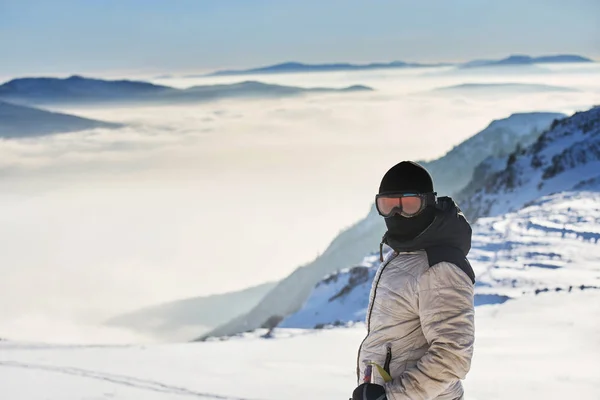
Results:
x,y
406,176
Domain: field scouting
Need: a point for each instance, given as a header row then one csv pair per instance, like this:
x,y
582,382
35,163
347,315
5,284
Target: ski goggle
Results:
x,y
406,204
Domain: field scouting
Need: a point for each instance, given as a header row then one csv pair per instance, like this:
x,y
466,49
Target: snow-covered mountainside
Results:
x,y
454,170
536,347
77,89
551,244
564,158
339,298
180,320
20,121
289,295
350,247
544,233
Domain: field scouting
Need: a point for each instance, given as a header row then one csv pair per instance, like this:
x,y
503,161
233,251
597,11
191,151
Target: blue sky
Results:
x,y
68,36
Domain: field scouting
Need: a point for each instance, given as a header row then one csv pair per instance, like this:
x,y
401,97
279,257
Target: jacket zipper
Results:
x,y
388,358
369,320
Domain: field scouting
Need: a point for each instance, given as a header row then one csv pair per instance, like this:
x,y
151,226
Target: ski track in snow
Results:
x,y
119,380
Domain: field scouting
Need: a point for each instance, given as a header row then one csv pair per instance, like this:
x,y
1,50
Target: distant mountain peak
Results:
x,y
79,89
518,58
299,67
522,59
76,78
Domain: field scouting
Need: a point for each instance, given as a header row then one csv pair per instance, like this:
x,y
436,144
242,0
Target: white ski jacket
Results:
x,y
420,319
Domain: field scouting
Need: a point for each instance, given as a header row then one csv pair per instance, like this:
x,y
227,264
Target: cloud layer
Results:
x,y
199,199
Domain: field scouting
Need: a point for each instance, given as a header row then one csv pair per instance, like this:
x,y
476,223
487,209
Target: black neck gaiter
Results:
x,y
449,227
403,229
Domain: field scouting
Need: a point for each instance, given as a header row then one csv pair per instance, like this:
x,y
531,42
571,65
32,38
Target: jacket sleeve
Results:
x,y
446,310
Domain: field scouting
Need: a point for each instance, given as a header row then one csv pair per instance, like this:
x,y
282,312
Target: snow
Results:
x,y
552,243
329,302
454,170
539,346
562,159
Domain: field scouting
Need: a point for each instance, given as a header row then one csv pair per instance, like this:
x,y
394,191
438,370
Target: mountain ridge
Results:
x,y
299,67
77,90
565,156
521,59
295,67
18,121
454,170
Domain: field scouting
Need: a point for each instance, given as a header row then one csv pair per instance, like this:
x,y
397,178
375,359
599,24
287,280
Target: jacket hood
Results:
x,y
449,228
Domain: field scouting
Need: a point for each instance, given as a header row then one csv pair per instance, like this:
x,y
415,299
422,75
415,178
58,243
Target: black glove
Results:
x,y
369,391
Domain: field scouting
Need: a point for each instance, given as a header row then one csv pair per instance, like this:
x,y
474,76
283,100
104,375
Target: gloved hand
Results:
x,y
369,391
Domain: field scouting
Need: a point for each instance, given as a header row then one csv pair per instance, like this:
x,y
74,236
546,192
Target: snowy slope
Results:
x,y
182,319
77,89
339,298
454,170
566,157
536,347
19,121
552,243
350,247
289,295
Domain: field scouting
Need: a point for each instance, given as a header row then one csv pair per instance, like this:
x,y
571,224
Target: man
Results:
x,y
420,320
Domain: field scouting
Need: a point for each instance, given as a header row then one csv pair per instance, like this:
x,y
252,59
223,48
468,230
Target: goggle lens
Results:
x,y
407,205
412,204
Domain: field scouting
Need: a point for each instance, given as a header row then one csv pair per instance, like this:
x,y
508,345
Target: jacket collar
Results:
x,y
449,228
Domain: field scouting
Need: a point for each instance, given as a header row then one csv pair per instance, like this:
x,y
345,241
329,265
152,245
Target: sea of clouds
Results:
x,y
191,200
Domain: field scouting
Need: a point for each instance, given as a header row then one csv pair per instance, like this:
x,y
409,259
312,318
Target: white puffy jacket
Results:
x,y
420,319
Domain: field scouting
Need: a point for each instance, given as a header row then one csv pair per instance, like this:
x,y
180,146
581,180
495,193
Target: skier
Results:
x,y
420,320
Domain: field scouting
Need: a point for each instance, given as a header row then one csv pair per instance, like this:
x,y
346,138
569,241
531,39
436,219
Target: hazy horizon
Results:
x,y
144,74
196,199
135,36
